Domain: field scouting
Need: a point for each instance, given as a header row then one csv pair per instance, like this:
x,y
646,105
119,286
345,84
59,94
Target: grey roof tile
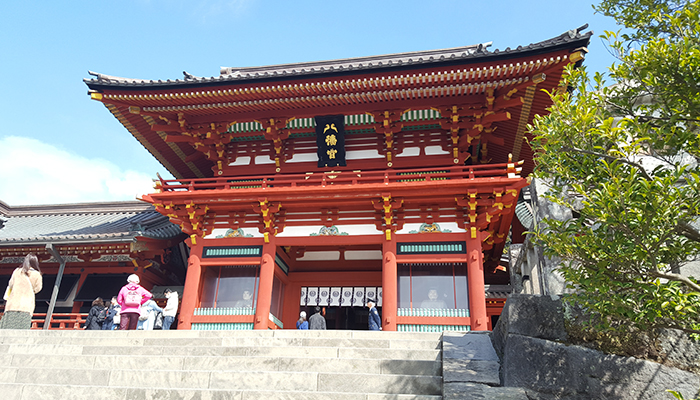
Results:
x,y
230,74
119,221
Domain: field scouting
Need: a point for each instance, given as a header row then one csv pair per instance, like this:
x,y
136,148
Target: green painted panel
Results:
x,y
432,248
232,251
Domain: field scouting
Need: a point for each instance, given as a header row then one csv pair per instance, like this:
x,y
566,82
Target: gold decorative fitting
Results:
x,y
96,96
539,78
576,56
135,110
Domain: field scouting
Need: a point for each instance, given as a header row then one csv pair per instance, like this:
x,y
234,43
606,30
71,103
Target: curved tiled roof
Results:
x,y
89,222
418,58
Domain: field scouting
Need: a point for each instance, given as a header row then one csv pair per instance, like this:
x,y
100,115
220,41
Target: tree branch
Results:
x,y
676,277
608,157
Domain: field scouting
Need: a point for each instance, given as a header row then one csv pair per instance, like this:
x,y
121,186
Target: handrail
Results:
x,y
322,179
60,321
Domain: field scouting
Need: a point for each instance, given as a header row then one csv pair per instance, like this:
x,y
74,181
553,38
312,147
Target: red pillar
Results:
x,y
267,275
475,274
190,294
389,286
81,281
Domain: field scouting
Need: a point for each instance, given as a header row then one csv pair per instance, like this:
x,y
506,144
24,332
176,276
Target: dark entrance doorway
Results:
x,y
344,317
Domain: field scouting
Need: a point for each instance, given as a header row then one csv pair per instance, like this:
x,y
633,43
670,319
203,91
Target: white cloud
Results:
x,y
33,172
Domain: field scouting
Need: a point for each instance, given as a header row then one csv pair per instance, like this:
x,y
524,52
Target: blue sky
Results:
x,y
58,146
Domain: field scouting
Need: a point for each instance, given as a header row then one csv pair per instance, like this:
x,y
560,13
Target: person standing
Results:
x,y
97,315
170,309
149,309
112,313
26,281
316,321
302,323
375,322
130,298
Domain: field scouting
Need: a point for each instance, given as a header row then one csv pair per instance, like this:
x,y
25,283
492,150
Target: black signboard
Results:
x,y
330,139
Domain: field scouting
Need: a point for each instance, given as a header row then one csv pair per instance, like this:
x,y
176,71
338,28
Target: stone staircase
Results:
x,y
240,365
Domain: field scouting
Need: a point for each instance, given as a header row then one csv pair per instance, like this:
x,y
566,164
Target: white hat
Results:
x,y
133,278
302,314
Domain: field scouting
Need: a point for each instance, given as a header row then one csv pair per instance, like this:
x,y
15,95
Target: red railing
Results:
x,y
67,321
321,179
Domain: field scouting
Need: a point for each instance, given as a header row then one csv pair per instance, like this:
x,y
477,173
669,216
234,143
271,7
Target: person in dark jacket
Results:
x,y
375,322
92,322
113,309
316,321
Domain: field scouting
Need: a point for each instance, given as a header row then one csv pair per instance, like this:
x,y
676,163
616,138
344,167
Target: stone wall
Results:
x,y
530,340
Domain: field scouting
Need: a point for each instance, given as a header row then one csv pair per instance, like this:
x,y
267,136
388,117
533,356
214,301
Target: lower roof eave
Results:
x,y
67,242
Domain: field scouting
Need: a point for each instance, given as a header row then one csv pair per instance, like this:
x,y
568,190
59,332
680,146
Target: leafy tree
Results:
x,y
626,157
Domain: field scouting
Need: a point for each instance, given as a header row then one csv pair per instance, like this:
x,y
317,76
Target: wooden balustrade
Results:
x,y
321,179
68,321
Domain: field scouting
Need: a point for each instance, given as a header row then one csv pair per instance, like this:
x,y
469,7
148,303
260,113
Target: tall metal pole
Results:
x,y
57,284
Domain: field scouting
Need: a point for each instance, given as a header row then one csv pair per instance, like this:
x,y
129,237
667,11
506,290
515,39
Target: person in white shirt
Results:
x,y
170,309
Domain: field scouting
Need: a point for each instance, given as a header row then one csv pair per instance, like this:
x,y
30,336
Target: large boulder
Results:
x,y
531,340
678,350
528,315
560,371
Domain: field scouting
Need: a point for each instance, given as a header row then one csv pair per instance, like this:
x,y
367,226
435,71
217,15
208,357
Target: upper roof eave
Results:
x,y
351,65
74,208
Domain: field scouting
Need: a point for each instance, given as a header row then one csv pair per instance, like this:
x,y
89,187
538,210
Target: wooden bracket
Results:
x,y
388,123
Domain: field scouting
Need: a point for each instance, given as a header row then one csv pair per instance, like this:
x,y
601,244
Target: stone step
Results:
x,y
17,391
241,365
249,351
201,363
227,380
225,341
281,333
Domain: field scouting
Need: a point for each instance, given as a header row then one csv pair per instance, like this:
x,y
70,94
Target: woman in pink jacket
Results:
x,y
130,298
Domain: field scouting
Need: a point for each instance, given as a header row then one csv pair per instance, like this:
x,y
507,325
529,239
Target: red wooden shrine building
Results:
x,y
327,183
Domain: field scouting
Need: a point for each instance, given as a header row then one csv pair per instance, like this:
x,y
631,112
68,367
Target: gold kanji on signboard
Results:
x,y
331,153
331,140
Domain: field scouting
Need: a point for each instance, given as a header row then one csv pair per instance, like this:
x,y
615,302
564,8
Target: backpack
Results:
x,y
159,321
102,316
132,298
144,311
